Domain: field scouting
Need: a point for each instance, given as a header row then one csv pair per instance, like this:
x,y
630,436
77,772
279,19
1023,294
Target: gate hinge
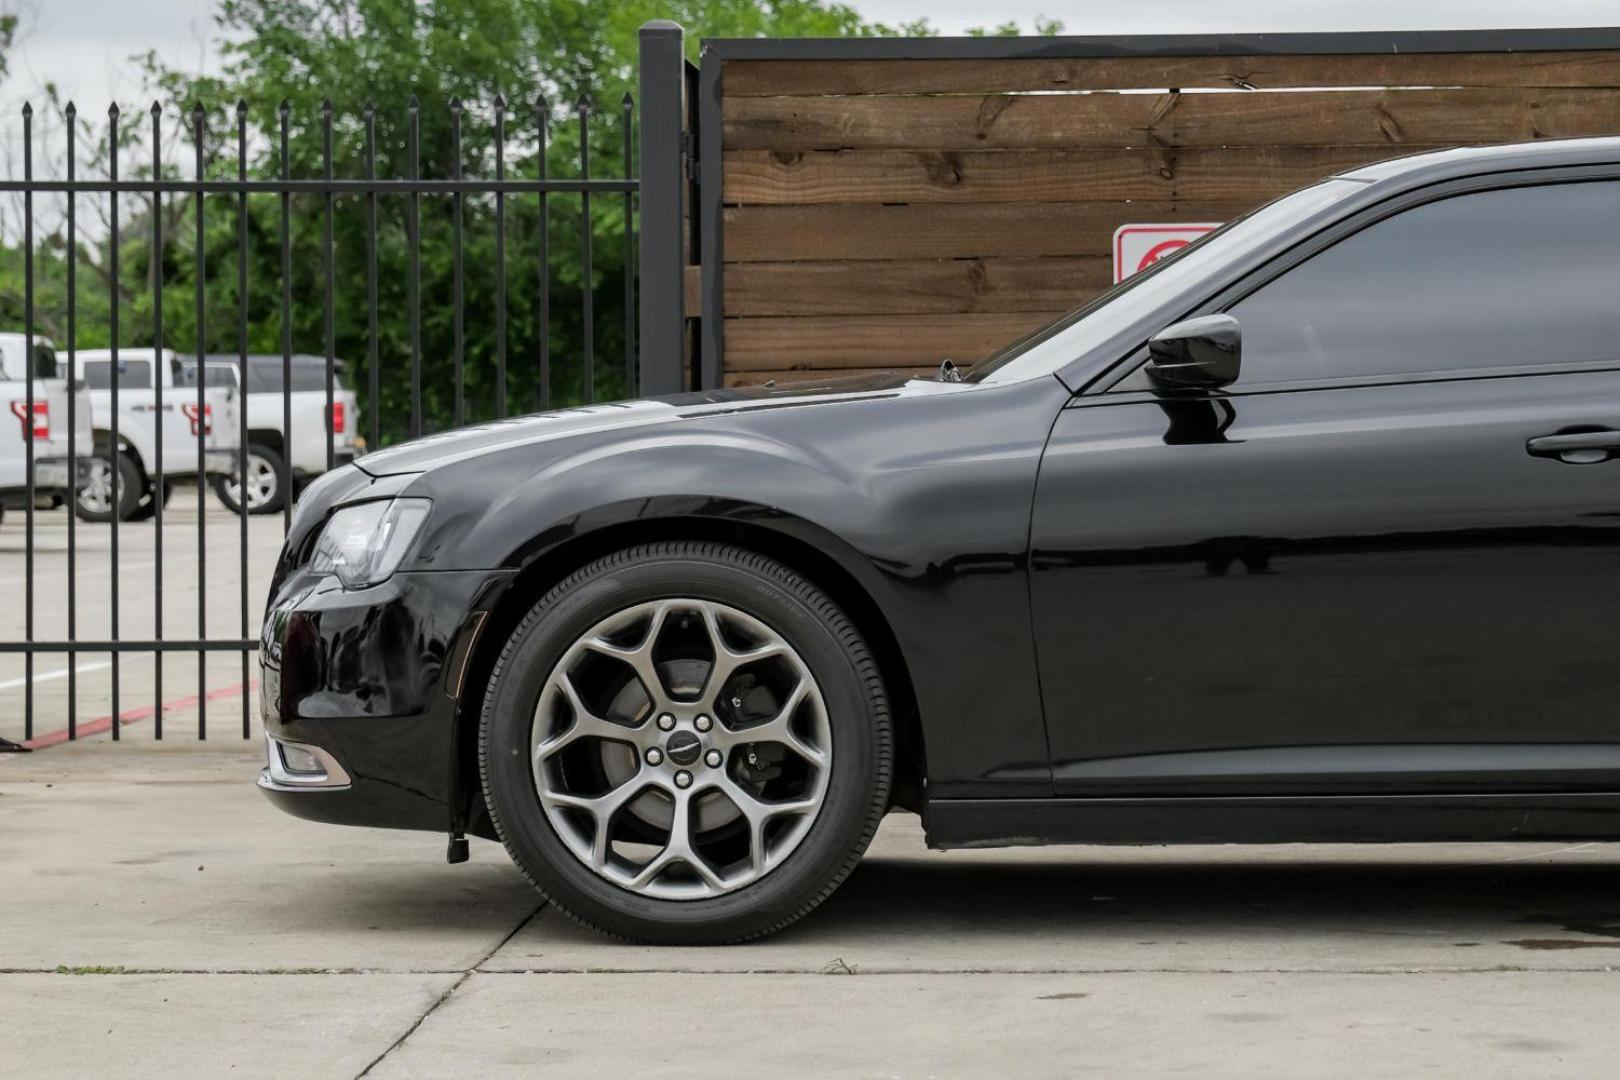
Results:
x,y
689,154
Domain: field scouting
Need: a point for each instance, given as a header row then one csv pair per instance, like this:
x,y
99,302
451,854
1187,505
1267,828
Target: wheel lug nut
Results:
x,y
703,723
713,759
665,722
655,756
683,779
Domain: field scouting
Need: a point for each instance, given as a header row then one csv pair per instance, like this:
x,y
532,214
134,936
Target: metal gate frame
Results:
x,y
412,187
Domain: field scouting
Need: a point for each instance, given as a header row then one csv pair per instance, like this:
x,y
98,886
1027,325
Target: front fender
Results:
x,y
924,501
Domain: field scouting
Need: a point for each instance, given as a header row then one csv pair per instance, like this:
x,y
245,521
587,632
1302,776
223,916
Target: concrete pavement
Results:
x,y
157,917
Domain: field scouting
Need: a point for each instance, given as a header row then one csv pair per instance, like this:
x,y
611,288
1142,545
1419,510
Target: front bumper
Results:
x,y
362,678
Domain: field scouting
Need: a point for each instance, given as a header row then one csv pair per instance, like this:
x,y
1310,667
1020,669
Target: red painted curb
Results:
x,y
130,716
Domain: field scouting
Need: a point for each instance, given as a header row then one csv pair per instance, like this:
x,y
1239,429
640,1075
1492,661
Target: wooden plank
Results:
x,y
767,78
945,231
960,176
1069,121
871,341
692,302
815,378
914,287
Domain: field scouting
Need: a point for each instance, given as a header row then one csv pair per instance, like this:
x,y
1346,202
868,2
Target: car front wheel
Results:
x,y
686,743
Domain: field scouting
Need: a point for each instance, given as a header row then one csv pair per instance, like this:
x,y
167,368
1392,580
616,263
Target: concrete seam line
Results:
x,y
779,973
860,972
451,989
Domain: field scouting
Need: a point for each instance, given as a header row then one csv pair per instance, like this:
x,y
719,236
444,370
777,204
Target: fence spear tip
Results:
x,y
112,110
326,106
500,102
241,106
455,103
412,104
627,100
157,108
284,108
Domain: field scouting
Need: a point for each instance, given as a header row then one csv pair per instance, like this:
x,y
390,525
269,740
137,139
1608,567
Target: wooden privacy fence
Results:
x,y
870,204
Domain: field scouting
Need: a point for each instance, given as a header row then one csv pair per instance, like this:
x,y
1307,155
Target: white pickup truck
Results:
x,y
46,426
180,420
271,446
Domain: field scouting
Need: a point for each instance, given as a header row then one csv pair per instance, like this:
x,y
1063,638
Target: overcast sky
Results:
x,y
85,45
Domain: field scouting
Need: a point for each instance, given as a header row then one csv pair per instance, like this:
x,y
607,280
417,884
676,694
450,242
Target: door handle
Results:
x,y
1576,446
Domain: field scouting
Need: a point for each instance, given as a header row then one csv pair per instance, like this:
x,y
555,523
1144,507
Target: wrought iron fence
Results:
x,y
546,307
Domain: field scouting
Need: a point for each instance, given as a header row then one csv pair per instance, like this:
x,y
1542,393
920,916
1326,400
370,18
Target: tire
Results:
x,y
829,673
147,508
93,501
267,493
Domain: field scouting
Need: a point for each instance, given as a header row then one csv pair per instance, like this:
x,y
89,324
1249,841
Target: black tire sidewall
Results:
x,y
857,713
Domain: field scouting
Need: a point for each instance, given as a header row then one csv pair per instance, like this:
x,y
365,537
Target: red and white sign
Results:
x,y
1137,247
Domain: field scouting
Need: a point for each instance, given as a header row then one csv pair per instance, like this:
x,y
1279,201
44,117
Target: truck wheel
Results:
x,y
95,498
264,487
147,508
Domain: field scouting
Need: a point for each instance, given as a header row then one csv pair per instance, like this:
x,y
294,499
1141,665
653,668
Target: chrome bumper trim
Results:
x,y
276,776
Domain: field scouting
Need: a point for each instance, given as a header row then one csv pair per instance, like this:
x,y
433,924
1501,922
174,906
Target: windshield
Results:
x,y
1052,347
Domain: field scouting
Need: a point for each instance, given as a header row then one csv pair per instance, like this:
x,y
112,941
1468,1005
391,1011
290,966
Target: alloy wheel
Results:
x,y
681,749
96,492
262,481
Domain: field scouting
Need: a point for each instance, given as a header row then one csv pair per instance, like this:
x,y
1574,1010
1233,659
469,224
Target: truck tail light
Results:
x,y
335,417
41,428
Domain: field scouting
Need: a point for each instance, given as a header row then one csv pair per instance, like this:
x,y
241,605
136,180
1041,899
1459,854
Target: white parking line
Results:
x,y
59,673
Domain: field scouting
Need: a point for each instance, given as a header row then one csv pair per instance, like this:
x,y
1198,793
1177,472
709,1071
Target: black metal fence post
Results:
x,y
662,180
297,307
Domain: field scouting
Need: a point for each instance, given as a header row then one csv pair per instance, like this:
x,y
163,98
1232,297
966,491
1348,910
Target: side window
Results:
x,y
1504,278
264,376
132,375
307,378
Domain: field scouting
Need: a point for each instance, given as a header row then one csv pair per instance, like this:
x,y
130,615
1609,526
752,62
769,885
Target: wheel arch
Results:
x,y
269,438
101,439
794,552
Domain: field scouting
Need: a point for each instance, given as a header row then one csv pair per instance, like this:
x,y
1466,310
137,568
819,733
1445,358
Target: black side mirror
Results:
x,y
1202,353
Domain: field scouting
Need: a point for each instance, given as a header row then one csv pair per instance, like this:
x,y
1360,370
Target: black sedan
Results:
x,y
1306,534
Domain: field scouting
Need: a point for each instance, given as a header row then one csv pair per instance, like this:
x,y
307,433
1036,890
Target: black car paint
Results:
x,y
1362,666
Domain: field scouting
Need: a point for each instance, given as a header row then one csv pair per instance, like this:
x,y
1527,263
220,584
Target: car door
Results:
x,y
1385,558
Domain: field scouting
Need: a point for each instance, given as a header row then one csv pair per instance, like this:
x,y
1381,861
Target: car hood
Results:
x,y
434,451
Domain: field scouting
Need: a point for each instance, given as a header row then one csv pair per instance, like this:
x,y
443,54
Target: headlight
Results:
x,y
363,544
